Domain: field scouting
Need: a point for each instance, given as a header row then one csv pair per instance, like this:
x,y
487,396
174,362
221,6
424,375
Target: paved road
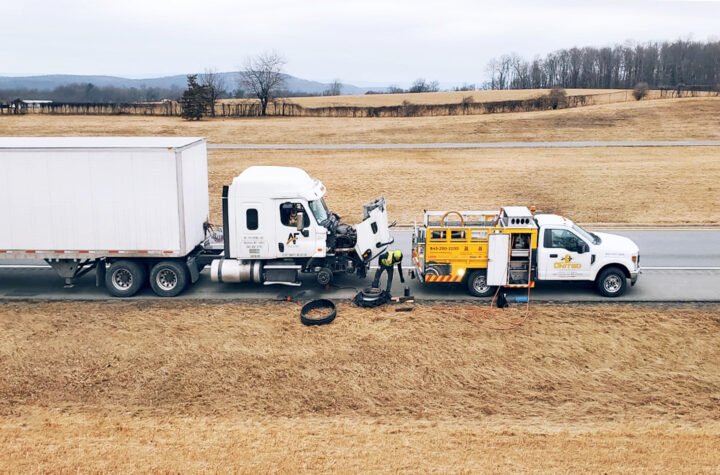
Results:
x,y
472,145
679,265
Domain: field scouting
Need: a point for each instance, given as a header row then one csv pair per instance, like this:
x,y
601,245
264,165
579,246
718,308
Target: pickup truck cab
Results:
x,y
566,251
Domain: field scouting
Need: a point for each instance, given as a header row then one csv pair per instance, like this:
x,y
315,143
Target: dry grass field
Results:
x,y
617,185
666,119
176,386
447,97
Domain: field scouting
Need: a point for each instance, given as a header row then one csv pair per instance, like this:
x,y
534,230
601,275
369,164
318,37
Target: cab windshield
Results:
x,y
319,210
586,235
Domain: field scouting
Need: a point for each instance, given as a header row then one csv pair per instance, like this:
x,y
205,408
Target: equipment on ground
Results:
x,y
514,248
136,211
371,297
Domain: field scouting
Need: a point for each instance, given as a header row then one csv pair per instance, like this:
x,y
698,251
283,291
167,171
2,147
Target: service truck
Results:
x,y
135,210
515,247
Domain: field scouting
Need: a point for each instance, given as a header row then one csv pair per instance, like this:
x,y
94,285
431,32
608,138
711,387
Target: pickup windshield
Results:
x,y
319,210
586,235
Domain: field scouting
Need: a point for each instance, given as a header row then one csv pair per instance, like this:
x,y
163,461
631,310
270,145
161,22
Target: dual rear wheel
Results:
x,y
125,278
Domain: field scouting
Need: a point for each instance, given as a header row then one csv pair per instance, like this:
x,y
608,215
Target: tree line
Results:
x,y
667,64
90,93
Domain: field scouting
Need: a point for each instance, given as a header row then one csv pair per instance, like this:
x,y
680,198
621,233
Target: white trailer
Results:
x,y
136,210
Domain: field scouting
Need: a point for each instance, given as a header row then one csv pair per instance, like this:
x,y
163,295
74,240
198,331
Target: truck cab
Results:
x,y
277,225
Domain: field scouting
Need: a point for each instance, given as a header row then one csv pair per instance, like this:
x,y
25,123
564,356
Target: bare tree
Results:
x,y
215,85
262,76
421,85
334,88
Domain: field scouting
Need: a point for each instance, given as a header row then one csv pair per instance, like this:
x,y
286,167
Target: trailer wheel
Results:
x,y
612,282
125,278
477,284
169,278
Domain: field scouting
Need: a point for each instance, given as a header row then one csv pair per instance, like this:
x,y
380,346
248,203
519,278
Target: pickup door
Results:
x,y
563,255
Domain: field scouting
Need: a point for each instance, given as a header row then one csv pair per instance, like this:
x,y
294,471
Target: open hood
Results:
x,y
373,234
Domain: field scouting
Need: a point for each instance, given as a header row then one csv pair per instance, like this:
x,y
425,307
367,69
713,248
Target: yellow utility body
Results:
x,y
482,249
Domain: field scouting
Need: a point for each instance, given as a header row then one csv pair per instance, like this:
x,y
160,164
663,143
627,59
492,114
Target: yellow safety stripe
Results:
x,y
443,278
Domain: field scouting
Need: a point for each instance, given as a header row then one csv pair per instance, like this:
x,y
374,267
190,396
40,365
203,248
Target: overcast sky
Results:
x,y
376,41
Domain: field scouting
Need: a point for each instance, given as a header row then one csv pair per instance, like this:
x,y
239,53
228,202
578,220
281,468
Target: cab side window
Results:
x,y
563,239
289,213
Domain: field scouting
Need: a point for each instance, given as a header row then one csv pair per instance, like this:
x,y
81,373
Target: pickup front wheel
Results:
x,y
612,282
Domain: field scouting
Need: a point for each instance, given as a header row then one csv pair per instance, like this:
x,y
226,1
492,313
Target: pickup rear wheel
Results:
x,y
477,284
125,278
612,282
169,278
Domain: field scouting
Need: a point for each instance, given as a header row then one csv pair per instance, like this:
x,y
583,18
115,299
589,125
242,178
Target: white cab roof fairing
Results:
x,y
277,183
517,211
552,220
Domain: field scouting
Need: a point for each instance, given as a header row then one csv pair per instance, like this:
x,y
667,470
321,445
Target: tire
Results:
x,y
324,276
125,278
612,282
477,284
169,278
319,304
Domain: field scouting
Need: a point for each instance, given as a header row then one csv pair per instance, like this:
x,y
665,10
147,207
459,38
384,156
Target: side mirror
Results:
x,y
300,221
583,248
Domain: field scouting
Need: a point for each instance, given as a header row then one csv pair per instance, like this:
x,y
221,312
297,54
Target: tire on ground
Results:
x,y
612,282
477,284
125,278
306,318
169,278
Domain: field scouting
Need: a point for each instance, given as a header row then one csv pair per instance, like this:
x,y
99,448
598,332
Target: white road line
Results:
x,y
679,268
462,145
29,266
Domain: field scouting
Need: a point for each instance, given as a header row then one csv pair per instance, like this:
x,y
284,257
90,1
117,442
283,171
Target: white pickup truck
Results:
x,y
514,247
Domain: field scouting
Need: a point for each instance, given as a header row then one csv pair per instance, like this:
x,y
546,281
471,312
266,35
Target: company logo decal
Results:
x,y
567,263
292,238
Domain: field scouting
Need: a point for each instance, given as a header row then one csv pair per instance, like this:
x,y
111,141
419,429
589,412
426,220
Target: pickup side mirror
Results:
x,y
583,248
300,221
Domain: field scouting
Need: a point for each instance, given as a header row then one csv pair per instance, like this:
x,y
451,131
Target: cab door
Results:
x,y
563,255
291,242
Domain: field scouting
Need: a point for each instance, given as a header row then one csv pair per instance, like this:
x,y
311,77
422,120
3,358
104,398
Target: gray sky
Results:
x,y
363,41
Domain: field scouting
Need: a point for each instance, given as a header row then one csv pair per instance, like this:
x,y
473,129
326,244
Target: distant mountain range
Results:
x,y
50,82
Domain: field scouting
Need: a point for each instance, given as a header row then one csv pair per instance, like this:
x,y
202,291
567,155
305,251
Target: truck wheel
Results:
x,y
324,276
125,278
612,282
169,278
477,284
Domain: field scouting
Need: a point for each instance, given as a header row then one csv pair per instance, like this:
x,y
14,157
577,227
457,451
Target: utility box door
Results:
x,y
498,255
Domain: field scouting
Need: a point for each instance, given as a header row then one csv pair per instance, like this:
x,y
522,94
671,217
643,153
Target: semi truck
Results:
x,y
135,210
517,247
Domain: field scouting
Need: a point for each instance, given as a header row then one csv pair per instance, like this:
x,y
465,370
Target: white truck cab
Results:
x,y
276,225
568,252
